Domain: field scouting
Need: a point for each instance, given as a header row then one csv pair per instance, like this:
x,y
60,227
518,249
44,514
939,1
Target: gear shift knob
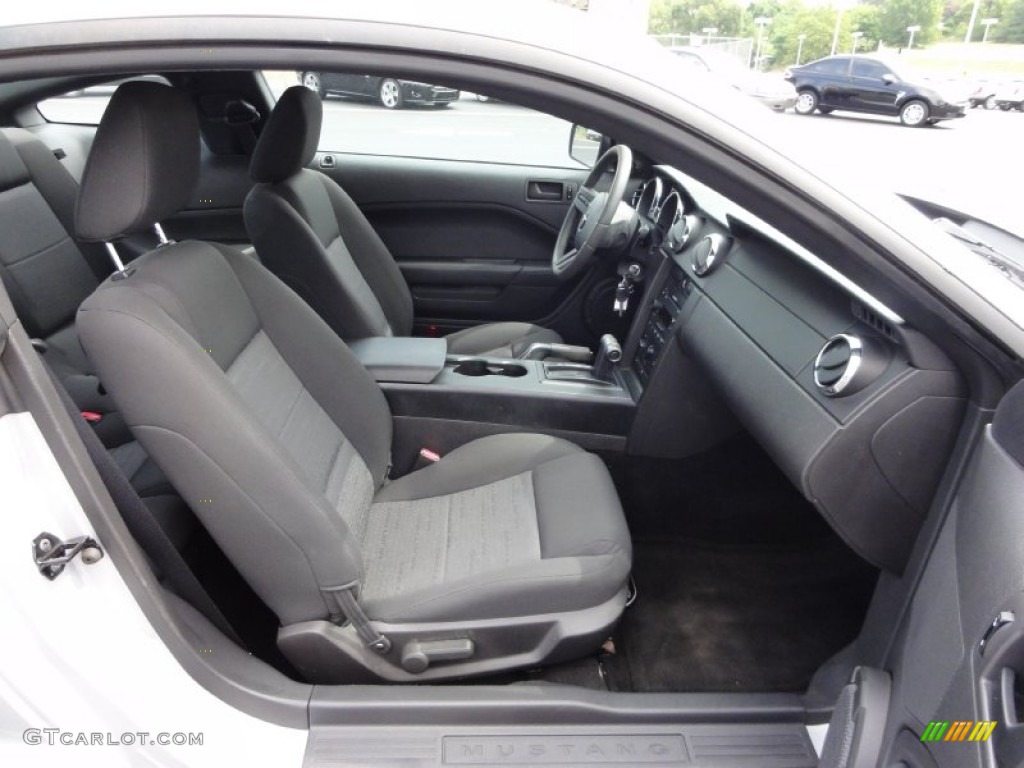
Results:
x,y
609,353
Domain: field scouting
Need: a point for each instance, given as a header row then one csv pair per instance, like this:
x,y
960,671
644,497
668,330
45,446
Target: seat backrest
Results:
x,y
260,416
313,236
44,270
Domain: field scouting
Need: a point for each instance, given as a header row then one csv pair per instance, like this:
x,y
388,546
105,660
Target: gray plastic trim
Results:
x,y
401,359
780,745
335,654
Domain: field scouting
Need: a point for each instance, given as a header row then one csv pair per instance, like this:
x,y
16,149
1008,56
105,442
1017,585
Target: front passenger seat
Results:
x,y
312,235
510,551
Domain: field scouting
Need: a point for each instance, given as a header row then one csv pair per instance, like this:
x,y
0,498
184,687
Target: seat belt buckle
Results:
x,y
92,417
425,458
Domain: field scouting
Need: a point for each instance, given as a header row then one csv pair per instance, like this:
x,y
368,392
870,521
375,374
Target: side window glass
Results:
x,y
871,69
393,116
837,66
85,106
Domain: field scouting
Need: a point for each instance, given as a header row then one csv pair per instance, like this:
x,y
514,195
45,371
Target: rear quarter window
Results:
x,y
829,67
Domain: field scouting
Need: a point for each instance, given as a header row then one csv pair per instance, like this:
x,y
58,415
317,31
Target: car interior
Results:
x,y
411,420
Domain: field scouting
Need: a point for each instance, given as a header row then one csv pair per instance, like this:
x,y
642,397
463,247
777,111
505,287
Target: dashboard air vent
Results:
x,y
873,319
706,254
847,363
837,364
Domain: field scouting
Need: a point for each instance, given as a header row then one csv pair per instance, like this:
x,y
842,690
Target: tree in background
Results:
x,y
867,20
815,22
818,23
1010,28
686,17
896,15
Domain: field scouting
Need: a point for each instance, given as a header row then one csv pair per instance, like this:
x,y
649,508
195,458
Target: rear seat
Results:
x,y
48,274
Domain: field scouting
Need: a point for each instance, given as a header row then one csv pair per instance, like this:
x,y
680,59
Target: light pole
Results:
x,y
913,30
986,23
835,35
709,31
856,38
762,22
970,24
799,47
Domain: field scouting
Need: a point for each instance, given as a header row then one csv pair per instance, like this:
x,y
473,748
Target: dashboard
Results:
x,y
859,410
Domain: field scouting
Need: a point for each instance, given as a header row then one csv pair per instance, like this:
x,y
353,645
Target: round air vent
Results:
x,y
706,254
682,230
837,364
847,363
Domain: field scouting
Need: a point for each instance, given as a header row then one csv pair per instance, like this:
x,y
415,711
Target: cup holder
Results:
x,y
486,368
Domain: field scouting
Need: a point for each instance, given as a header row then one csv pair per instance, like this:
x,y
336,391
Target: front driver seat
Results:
x,y
312,235
512,550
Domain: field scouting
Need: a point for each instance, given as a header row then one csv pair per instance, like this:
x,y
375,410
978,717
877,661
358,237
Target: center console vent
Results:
x,y
847,363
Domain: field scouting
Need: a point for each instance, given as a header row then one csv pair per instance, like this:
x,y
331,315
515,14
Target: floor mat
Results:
x,y
709,618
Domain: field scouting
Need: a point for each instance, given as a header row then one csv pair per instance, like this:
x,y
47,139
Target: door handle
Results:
x,y
1000,659
546,191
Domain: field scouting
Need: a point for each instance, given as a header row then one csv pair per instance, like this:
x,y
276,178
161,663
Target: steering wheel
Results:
x,y
588,226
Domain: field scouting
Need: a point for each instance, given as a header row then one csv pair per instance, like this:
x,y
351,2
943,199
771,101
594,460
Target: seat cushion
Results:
x,y
499,339
508,525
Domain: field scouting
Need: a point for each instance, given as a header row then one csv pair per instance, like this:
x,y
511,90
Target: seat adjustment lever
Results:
x,y
418,655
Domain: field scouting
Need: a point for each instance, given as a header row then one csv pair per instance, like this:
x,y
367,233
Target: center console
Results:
x,y
440,401
625,401
657,332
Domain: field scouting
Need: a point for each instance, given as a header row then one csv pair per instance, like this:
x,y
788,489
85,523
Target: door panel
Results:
x,y
473,240
873,95
870,92
347,83
942,674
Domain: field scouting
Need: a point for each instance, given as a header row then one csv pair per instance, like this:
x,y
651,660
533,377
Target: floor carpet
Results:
x,y
711,619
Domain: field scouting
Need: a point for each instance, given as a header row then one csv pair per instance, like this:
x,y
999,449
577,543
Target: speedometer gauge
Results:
x,y
648,202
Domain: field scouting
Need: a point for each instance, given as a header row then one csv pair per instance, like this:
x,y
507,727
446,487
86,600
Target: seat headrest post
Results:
x,y
120,270
161,236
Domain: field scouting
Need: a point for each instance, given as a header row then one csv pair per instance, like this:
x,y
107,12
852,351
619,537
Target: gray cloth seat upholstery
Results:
x,y
48,274
280,440
311,234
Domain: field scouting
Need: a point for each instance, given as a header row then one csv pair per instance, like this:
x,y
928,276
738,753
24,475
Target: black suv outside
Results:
x,y
869,84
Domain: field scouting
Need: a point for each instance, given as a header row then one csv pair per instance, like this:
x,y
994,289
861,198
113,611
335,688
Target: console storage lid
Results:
x,y
401,358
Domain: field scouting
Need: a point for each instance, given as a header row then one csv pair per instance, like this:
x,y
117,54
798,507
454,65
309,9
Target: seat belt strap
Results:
x,y
141,523
345,599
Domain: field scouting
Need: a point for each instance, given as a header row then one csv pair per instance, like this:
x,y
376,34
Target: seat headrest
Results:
x,y
143,164
290,137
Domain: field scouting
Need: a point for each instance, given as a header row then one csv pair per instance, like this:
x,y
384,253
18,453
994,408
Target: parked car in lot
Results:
x,y
1010,96
983,94
771,90
875,86
389,92
389,492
